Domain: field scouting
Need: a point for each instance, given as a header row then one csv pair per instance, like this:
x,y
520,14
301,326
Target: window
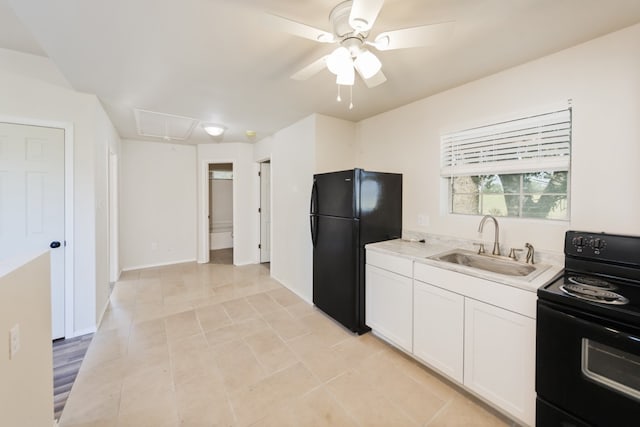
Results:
x,y
518,168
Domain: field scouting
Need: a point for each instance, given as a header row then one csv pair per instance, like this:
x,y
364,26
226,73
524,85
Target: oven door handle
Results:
x,y
598,329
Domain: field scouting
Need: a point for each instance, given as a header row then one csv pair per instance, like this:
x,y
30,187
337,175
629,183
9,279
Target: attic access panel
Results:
x,y
161,125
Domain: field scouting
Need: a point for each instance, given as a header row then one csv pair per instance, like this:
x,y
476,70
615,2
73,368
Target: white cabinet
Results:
x,y
438,329
479,333
499,358
389,302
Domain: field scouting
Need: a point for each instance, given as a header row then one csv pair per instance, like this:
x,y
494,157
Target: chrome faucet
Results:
x,y
530,252
496,246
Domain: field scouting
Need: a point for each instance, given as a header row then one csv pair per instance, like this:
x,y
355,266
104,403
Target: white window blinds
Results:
x,y
536,143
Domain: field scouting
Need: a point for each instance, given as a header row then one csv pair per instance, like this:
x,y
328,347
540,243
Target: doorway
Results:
x,y
265,212
220,213
33,203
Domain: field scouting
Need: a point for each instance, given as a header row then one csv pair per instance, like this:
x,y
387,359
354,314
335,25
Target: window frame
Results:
x,y
521,196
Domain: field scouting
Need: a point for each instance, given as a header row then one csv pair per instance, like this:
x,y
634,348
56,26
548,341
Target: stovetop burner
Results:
x,y
594,294
591,282
601,277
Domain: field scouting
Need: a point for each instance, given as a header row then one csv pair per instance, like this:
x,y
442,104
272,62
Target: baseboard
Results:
x,y
104,310
84,331
241,263
161,264
283,283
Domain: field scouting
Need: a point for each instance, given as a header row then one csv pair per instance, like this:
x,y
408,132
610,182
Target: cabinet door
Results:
x,y
389,304
499,358
438,328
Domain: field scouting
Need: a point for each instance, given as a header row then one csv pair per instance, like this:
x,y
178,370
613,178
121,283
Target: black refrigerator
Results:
x,y
350,209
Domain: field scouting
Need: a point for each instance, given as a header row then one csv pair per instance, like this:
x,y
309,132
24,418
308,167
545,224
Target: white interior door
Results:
x,y
265,212
32,201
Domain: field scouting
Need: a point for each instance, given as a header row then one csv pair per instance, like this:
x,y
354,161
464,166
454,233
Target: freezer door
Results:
x,y
335,194
335,269
380,206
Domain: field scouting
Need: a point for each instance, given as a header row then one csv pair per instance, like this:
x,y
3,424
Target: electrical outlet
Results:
x,y
14,340
423,220
154,246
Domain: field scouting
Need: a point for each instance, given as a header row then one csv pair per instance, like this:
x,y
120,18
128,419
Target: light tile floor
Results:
x,y
218,345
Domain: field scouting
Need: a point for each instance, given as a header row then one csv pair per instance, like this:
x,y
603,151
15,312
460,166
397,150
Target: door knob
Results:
x,y
54,244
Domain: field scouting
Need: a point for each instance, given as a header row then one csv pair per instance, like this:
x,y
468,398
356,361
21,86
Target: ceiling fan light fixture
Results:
x,y
367,64
339,60
213,129
347,77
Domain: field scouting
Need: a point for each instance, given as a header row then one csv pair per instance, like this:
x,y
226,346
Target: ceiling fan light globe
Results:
x,y
347,77
367,64
339,60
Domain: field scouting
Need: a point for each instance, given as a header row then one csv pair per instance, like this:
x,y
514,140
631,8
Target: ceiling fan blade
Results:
x,y
364,13
425,35
374,81
279,23
310,70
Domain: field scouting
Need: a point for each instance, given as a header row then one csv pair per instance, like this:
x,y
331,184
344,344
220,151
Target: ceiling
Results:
x,y
217,60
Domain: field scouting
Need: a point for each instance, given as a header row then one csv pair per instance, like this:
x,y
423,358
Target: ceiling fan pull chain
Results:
x,y
350,97
338,98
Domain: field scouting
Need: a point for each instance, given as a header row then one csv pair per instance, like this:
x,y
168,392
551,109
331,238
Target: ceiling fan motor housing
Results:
x,y
339,19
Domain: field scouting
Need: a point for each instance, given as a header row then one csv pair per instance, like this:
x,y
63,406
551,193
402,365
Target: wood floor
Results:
x,y
67,358
221,256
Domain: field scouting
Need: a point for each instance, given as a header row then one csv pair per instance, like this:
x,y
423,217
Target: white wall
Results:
x,y
157,204
221,202
26,394
220,213
32,89
245,205
335,144
292,154
107,141
602,77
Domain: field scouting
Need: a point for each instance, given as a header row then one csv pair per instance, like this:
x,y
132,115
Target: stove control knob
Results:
x,y
578,241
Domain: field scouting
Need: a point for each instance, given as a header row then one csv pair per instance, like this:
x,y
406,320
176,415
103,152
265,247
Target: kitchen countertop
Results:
x,y
419,252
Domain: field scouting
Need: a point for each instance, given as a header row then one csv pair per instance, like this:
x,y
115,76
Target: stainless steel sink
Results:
x,y
490,263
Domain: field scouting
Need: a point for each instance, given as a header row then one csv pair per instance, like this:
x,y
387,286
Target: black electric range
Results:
x,y
588,335
601,276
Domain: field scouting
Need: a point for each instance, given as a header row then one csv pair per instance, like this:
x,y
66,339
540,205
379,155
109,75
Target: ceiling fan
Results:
x,y
351,23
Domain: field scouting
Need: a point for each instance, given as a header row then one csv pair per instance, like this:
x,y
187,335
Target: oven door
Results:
x,y
587,366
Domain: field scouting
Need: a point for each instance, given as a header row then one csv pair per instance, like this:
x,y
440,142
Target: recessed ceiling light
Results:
x,y
213,129
250,133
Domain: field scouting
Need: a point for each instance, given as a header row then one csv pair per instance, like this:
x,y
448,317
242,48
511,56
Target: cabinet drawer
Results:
x,y
498,294
392,263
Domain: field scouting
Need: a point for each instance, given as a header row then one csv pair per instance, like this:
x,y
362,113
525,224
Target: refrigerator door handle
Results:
x,y
314,229
314,198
